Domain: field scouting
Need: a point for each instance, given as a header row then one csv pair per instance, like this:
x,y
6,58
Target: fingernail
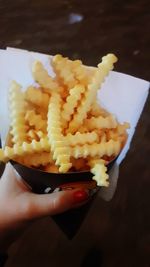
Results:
x,y
80,196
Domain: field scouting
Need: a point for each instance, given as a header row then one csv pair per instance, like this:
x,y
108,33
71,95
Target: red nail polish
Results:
x,y
80,196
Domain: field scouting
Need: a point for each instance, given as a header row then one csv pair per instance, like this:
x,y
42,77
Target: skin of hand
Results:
x,y
19,206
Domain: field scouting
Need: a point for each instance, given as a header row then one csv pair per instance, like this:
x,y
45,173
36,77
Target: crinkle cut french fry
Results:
x,y
81,138
54,130
35,120
25,148
99,170
54,126
41,76
80,71
72,100
81,111
71,71
90,95
100,122
105,148
17,110
35,159
63,68
37,97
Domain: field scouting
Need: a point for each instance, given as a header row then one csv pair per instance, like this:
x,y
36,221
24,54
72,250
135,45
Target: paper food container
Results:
x,y
121,94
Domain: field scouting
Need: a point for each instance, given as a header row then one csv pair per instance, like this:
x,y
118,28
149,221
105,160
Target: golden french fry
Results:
x,y
17,112
80,72
81,138
99,170
24,149
105,148
108,122
55,133
72,100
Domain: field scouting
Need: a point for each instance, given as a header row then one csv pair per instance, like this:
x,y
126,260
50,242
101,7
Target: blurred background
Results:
x,y
116,233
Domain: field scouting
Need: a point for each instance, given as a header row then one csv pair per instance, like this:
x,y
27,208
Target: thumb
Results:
x,y
41,205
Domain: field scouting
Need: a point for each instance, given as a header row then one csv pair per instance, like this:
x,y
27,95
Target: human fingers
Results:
x,y
35,206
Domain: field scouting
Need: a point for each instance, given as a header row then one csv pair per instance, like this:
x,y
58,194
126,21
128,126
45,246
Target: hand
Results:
x,y
19,205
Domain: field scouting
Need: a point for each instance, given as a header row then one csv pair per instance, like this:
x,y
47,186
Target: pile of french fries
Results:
x,y
59,126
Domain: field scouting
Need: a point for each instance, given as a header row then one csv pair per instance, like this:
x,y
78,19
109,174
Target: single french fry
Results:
x,y
105,148
72,100
99,170
24,149
55,133
100,122
17,111
81,138
80,72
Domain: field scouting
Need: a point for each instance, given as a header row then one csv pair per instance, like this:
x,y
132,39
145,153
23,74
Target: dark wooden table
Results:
x,y
115,233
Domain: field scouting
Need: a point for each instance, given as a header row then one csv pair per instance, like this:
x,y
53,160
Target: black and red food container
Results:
x,y
43,182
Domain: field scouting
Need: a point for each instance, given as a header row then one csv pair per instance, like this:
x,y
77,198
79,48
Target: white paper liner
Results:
x,y
121,94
